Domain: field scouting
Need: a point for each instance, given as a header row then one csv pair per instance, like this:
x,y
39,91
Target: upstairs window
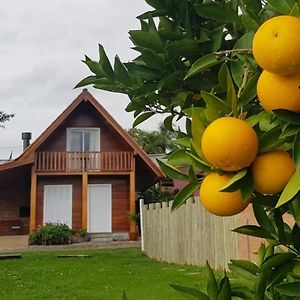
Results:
x,y
83,139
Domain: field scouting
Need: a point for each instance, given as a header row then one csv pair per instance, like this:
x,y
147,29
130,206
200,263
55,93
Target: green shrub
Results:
x,y
51,234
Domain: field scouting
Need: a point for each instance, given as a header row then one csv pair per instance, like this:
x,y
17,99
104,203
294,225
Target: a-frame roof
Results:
x,y
27,157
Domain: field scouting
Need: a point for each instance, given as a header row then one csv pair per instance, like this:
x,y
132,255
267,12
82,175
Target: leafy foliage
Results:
x,y
51,234
195,63
158,141
4,117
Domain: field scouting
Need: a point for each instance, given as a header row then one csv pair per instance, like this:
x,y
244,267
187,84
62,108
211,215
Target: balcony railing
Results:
x,y
83,161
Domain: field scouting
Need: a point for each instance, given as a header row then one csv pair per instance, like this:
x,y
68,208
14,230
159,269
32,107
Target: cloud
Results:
x,y
42,44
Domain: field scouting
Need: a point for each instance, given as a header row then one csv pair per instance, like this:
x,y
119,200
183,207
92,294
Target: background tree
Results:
x,y
158,141
4,117
195,62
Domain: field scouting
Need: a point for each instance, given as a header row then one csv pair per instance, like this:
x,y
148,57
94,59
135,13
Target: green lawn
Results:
x,y
41,275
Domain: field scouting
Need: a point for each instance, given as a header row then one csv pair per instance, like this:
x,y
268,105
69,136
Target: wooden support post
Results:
x,y
132,229
32,223
84,199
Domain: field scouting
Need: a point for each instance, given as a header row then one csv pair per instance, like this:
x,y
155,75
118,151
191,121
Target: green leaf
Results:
x,y
249,93
249,22
192,175
253,231
289,289
270,140
217,37
171,171
225,289
200,164
260,254
95,67
141,118
260,285
215,102
189,293
121,72
233,180
168,123
295,209
104,61
86,81
262,218
179,157
246,265
222,13
222,76
146,39
124,297
184,142
212,286
296,237
235,268
108,85
290,190
204,63
280,273
247,186
282,6
276,260
287,116
198,124
184,194
296,150
295,11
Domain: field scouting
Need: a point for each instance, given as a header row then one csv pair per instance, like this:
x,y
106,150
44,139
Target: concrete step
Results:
x,y
101,237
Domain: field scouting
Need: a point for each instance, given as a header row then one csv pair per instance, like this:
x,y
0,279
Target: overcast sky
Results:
x,y
42,44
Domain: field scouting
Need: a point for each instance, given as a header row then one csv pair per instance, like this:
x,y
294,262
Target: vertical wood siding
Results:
x,y
120,198
189,235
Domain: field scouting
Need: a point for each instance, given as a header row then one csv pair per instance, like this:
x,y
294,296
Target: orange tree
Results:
x,y
195,63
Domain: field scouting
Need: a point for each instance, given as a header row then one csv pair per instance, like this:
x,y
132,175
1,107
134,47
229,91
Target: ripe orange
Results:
x,y
229,144
276,45
220,203
271,171
279,91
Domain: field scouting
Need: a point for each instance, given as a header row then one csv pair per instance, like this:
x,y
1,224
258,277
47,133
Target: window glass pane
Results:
x,y
76,140
88,140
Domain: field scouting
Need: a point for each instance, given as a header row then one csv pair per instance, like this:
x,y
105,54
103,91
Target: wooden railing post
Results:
x,y
132,228
32,222
84,199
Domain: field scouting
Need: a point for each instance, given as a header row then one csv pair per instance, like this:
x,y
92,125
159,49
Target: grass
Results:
x,y
104,276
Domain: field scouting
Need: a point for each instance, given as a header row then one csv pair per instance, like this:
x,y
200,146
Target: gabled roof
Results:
x,y
27,157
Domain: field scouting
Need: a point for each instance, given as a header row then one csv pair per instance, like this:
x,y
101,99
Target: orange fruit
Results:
x,y
220,203
277,91
229,144
271,171
276,45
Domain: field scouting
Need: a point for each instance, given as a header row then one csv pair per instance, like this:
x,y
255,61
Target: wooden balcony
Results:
x,y
76,162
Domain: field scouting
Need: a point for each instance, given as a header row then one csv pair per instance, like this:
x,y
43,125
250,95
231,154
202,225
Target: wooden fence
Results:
x,y
188,235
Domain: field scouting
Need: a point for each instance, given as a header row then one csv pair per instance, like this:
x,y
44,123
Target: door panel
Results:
x,y
58,204
99,208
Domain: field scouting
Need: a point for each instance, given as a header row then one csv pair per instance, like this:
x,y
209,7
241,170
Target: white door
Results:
x,y
58,204
99,208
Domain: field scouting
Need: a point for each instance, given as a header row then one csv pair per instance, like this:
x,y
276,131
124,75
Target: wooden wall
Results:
x,y
14,194
75,181
120,198
85,116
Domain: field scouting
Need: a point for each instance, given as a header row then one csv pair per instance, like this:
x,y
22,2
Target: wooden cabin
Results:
x,y
83,170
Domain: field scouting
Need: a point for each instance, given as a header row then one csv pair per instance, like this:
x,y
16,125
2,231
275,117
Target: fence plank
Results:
x,y
188,235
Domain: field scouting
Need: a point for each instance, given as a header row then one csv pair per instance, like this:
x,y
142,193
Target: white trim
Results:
x,y
70,208
88,203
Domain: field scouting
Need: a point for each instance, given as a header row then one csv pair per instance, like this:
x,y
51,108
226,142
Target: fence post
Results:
x,y
142,223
